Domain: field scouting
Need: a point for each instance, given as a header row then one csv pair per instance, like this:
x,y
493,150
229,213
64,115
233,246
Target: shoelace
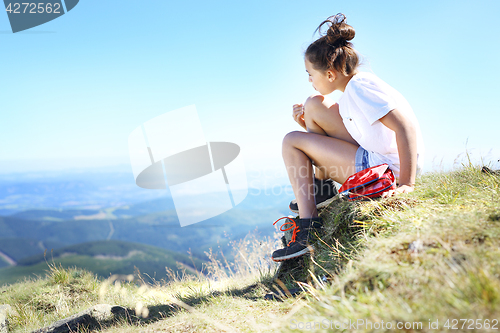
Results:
x,y
294,227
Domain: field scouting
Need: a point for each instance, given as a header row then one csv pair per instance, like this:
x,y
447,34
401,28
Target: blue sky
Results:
x,y
73,89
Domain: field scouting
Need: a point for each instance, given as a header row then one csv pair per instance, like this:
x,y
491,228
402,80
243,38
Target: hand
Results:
x,y
400,189
298,115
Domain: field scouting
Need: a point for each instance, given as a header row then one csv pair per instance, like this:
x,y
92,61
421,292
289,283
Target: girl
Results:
x,y
371,124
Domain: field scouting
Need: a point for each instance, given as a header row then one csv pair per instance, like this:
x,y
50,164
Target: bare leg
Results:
x,y
322,117
327,144
334,156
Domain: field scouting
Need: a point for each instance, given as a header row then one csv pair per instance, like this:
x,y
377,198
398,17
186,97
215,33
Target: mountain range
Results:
x,y
37,218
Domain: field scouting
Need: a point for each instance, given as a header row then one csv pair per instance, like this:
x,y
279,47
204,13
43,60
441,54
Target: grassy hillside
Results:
x,y
103,258
427,261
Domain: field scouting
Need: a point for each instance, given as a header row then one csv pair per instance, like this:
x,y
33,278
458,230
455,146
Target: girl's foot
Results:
x,y
299,245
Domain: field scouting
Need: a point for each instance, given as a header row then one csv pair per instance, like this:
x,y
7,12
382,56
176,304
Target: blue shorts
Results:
x,y
361,160
364,160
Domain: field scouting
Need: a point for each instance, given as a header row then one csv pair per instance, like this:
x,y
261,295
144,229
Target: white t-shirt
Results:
x,y
365,100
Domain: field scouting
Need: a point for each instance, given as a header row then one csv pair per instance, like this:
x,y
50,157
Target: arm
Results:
x,y
406,139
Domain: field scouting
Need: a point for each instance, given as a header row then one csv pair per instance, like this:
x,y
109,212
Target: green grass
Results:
x,y
415,260
40,302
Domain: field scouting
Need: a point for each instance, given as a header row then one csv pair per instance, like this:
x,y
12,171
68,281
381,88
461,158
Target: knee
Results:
x,y
314,103
291,138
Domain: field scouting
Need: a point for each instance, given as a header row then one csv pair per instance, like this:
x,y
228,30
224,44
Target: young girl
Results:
x,y
371,124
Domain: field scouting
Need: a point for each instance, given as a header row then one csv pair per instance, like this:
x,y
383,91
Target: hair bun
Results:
x,y
333,49
339,32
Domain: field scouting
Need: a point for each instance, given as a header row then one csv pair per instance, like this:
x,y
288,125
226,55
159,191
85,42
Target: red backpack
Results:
x,y
369,183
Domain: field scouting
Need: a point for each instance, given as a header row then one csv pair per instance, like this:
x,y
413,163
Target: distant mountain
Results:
x,y
105,258
3,261
255,200
83,190
57,215
127,211
90,191
19,248
54,211
21,238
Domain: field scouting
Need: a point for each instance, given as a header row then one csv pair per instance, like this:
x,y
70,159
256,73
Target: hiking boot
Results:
x,y
324,193
299,244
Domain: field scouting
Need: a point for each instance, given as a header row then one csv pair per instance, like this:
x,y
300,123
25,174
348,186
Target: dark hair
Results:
x,y
333,49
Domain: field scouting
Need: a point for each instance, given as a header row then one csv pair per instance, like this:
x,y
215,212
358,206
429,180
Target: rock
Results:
x,y
4,324
5,309
105,312
96,316
71,323
101,312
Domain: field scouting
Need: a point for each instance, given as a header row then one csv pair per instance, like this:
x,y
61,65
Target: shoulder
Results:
x,y
369,87
370,96
366,80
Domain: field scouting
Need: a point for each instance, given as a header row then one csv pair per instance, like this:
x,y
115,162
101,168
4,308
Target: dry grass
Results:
x,y
40,302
